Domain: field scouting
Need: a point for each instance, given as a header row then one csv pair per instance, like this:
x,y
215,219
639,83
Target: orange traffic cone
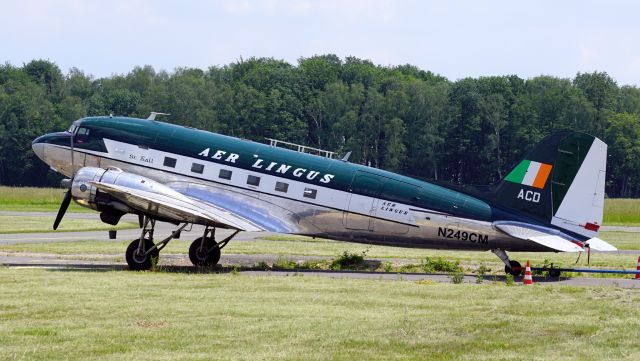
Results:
x,y
638,270
528,280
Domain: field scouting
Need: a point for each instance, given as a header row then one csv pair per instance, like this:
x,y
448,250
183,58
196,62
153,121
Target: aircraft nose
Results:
x,y
38,148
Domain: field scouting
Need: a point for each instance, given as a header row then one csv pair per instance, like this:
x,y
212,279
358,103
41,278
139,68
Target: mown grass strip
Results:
x,y
37,224
621,211
75,315
31,199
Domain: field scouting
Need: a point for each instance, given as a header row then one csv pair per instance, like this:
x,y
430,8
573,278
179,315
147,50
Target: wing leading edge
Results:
x,y
180,209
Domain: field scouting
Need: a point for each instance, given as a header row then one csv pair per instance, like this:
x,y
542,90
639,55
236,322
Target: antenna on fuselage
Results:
x,y
152,116
346,157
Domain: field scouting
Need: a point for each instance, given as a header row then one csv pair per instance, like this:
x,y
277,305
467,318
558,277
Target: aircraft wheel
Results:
x,y
141,262
515,270
554,273
209,256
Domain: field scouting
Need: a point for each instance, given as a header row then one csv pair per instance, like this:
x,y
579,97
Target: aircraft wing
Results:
x,y
176,207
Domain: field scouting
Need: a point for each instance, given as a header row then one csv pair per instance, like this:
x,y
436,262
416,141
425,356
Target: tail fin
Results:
x,y
560,182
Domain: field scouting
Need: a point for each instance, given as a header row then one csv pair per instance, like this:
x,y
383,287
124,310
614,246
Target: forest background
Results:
x,y
400,118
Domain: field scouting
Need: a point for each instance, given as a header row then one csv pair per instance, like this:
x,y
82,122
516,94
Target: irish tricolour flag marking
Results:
x,y
530,173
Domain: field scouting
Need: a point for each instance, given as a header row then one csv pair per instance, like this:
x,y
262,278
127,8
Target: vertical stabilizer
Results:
x,y
560,182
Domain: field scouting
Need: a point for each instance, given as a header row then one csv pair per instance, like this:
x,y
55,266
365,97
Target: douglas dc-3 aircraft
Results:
x,y
551,201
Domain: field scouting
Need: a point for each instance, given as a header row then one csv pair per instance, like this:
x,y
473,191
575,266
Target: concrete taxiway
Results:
x,y
180,263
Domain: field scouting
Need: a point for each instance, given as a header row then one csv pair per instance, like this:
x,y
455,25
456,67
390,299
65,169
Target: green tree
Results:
x,y
395,152
623,137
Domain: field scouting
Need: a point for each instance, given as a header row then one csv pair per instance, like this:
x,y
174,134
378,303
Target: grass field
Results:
x,y
621,211
29,199
76,315
617,211
34,224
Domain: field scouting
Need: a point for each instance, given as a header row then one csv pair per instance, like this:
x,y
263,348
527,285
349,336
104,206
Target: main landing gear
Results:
x,y
205,251
512,267
142,253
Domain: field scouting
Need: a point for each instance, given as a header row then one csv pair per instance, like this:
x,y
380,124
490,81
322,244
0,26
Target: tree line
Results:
x,y
400,118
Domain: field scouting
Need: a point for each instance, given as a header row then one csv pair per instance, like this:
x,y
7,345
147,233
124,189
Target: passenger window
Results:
x,y
169,162
282,187
197,168
310,193
253,180
224,174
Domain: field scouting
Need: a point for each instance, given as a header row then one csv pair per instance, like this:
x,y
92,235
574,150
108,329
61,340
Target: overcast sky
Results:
x,y
456,39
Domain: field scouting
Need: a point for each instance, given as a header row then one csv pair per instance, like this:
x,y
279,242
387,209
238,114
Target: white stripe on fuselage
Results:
x,y
325,197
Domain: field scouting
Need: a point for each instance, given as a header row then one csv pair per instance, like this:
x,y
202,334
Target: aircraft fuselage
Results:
x,y
282,190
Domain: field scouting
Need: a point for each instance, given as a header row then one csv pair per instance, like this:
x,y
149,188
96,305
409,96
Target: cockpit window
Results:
x,y
81,135
88,138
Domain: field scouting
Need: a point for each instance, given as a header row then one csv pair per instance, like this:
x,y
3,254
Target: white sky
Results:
x,y
453,38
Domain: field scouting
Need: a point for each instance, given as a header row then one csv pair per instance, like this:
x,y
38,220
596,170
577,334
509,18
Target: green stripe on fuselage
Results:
x,y
518,173
191,142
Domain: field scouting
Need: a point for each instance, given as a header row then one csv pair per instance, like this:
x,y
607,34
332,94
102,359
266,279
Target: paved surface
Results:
x,y
619,229
227,260
180,263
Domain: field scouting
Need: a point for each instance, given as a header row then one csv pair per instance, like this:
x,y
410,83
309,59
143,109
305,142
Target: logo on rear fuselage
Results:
x,y
530,173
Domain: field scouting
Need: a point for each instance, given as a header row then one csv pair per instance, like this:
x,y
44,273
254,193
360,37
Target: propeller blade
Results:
x,y
63,209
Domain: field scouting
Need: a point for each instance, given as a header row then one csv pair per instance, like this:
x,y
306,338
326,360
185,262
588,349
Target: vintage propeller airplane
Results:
x,y
551,201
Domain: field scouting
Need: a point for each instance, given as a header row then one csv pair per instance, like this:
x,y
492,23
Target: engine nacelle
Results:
x,y
89,196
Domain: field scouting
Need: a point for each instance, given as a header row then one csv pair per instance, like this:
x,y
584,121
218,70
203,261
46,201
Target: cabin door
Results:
x,y
362,202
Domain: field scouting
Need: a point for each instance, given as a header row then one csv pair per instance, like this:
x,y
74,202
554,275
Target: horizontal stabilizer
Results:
x,y
597,244
557,243
548,237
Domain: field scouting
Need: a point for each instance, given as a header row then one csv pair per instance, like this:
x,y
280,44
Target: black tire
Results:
x,y
208,257
141,262
515,270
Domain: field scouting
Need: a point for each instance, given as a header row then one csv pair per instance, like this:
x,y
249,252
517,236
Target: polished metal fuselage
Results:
x,y
429,229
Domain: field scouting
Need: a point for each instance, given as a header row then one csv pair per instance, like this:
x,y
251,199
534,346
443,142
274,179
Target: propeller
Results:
x,y
63,209
67,196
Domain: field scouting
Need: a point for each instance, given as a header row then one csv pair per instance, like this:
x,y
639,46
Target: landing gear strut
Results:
x,y
512,267
142,253
205,251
